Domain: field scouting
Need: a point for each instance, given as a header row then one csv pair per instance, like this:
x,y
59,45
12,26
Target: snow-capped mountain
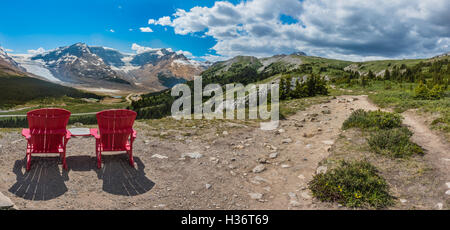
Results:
x,y
7,63
78,64
94,66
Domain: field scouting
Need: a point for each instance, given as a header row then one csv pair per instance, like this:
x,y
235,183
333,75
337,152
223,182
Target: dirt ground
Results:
x,y
210,165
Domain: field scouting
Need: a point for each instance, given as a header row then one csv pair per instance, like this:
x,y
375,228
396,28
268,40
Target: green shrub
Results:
x,y
437,92
424,93
353,184
394,143
372,120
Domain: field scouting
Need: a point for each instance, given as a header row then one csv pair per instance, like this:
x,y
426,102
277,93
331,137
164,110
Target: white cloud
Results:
x,y
185,53
146,29
112,31
214,58
163,21
40,50
142,49
350,29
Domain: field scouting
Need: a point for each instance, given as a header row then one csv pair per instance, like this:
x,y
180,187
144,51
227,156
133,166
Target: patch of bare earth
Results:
x,y
190,164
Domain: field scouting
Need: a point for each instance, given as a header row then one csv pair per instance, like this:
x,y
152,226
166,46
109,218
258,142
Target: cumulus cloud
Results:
x,y
164,21
142,49
112,31
146,29
40,50
185,53
348,29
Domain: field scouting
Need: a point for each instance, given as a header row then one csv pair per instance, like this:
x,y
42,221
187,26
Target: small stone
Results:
x,y
294,203
208,186
285,166
5,202
319,129
193,155
159,156
305,195
308,146
273,155
447,193
224,133
292,195
301,176
259,168
258,180
286,141
439,206
255,196
214,159
403,200
448,184
321,169
280,131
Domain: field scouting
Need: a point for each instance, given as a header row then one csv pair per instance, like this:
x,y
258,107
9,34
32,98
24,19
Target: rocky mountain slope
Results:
x,y
86,66
8,65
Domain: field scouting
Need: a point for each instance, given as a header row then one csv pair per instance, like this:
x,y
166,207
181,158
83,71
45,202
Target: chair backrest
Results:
x,y
47,128
116,127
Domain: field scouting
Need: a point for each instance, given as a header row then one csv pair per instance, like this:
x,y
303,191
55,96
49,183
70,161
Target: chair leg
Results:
x,y
28,160
64,160
130,155
99,159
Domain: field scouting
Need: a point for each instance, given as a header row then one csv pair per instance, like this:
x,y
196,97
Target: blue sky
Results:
x,y
216,30
53,23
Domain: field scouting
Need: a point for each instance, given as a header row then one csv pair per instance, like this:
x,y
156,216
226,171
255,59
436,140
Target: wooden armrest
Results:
x,y
26,133
68,135
94,132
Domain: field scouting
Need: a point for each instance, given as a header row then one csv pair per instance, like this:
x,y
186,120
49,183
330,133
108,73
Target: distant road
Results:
x,y
74,114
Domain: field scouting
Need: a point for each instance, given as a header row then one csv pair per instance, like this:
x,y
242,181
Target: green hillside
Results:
x,y
16,90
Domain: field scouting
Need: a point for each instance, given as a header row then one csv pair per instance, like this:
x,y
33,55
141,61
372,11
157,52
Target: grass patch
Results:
x,y
401,97
353,184
394,143
372,120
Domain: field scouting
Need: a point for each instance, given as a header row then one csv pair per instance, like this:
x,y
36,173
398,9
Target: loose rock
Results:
x,y
255,196
259,168
321,169
193,155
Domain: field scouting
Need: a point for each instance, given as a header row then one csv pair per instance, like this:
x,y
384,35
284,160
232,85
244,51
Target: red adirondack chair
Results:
x,y
115,133
47,133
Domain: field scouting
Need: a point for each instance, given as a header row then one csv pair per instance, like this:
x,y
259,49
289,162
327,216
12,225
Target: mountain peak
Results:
x,y
299,53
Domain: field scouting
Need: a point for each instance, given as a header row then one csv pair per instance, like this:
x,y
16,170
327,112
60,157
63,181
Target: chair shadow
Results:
x,y
43,182
119,178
